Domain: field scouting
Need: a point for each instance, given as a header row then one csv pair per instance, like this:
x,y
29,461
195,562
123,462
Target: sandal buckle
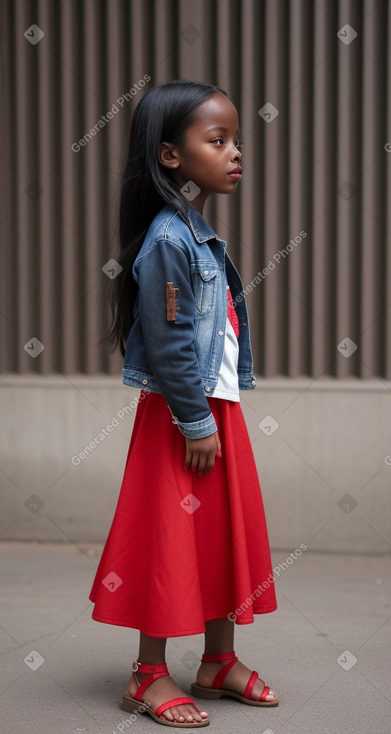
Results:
x,y
137,664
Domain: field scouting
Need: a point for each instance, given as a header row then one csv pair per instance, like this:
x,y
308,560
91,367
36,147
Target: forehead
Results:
x,y
218,110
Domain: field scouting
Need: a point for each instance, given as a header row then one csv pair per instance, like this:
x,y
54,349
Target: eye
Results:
x,y
238,144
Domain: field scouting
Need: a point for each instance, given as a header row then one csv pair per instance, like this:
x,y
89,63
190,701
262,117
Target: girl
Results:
x,y
188,543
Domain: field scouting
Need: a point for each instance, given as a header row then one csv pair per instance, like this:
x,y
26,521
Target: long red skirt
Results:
x,y
184,549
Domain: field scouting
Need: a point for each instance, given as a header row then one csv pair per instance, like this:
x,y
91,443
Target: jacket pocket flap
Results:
x,y
206,272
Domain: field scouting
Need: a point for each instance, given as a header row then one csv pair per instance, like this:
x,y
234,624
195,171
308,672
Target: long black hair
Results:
x,y
163,115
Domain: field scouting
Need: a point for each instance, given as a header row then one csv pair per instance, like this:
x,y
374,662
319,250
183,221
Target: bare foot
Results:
x,y
161,690
235,680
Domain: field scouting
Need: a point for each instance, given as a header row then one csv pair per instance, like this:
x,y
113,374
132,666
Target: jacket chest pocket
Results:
x,y
205,283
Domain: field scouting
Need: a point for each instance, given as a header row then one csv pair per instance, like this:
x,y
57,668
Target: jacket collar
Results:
x,y
200,228
202,231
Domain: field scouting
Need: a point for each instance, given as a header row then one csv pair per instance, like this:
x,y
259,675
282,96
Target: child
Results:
x,y
188,543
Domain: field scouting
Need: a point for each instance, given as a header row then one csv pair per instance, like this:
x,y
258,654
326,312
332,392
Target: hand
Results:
x,y
201,453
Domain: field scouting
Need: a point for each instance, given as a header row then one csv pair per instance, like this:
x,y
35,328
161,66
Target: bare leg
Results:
x,y
219,638
152,650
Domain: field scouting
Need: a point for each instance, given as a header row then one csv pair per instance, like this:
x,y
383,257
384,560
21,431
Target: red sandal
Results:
x,y
138,705
215,691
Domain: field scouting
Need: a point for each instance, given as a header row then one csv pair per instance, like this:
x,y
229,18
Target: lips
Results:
x,y
236,173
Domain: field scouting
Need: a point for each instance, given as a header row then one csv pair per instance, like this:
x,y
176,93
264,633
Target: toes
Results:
x,y
168,715
180,714
196,714
174,714
190,713
200,715
271,696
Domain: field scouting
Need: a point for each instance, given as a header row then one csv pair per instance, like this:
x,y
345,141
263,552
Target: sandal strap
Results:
x,y
219,678
158,670
251,683
173,702
218,658
152,668
229,658
264,693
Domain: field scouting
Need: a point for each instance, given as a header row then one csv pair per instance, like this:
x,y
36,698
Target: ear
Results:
x,y
168,155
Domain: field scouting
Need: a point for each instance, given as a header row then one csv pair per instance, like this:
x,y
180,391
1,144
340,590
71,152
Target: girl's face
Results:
x,y
210,152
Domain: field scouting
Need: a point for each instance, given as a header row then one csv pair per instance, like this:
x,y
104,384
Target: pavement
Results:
x,y
325,651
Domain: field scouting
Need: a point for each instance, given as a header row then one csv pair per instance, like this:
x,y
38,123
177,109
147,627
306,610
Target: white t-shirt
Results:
x,y
228,383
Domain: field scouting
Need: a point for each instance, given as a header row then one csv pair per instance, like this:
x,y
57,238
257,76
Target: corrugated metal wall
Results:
x,y
311,82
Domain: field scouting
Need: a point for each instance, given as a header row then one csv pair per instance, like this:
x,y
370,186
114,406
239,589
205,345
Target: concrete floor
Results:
x,y
63,672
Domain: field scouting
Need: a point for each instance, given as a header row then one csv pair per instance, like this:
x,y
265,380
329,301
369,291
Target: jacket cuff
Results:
x,y
198,429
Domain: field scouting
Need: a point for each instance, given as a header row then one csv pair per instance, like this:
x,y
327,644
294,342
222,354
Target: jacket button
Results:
x,y
145,382
253,382
221,333
206,272
207,389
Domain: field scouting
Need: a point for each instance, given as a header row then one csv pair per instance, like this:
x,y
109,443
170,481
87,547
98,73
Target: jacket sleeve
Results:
x,y
169,344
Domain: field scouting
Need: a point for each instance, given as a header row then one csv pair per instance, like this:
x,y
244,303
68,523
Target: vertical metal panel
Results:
x,y
320,166
275,189
321,242
299,175
26,234
70,206
348,100
373,292
43,227
8,332
387,205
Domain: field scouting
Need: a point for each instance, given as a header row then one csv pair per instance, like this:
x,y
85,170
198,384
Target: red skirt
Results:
x,y
184,549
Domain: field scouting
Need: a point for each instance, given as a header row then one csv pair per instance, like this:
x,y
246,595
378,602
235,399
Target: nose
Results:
x,y
236,154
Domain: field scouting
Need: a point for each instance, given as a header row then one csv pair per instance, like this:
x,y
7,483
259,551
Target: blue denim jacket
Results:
x,y
176,343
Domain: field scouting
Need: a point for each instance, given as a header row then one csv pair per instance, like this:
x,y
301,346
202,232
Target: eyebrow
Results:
x,y
221,127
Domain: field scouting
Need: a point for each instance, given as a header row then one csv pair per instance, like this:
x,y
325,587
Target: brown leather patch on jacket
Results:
x,y
171,301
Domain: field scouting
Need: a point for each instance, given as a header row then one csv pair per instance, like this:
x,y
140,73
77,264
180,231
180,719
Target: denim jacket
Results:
x,y
176,343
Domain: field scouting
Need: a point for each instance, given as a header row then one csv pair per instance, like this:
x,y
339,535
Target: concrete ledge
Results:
x,y
325,470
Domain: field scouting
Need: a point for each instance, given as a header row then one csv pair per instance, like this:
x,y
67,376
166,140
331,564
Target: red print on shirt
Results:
x,y
232,315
